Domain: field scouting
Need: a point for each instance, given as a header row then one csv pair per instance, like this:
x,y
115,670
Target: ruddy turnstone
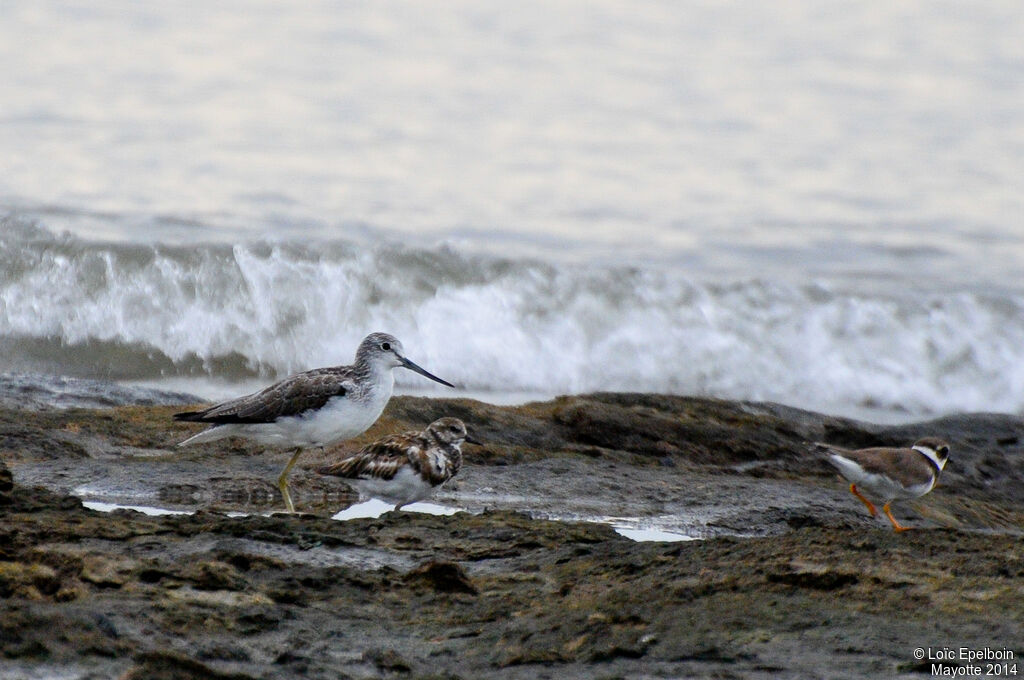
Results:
x,y
889,474
408,467
313,408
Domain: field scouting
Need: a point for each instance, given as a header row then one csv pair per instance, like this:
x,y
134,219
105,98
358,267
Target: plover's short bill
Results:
x,y
408,467
314,408
890,474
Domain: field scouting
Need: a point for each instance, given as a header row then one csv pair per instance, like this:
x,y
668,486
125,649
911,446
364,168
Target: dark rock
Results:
x,y
105,625
820,590
814,576
224,652
444,577
704,431
170,665
6,480
387,660
214,576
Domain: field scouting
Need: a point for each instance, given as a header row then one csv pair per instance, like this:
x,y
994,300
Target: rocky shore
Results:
x,y
791,578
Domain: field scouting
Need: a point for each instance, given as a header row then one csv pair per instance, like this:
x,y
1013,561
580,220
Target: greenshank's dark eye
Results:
x,y
386,346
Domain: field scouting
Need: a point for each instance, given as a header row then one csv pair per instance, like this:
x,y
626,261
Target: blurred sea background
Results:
x,y
816,203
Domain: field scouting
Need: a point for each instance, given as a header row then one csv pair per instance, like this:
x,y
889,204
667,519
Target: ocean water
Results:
x,y
816,203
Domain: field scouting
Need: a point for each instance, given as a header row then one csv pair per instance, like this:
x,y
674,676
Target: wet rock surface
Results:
x,y
792,579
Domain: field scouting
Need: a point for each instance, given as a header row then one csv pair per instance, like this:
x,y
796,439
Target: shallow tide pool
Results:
x,y
633,528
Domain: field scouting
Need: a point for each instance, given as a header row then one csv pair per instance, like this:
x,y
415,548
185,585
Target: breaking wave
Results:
x,y
266,309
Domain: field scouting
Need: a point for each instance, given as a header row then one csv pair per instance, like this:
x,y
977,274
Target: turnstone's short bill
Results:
x,y
408,467
890,474
313,408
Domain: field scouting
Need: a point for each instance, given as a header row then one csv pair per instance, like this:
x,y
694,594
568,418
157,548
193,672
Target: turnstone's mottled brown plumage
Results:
x,y
408,467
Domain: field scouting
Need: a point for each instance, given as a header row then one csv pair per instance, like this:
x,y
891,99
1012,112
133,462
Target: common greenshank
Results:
x,y
313,408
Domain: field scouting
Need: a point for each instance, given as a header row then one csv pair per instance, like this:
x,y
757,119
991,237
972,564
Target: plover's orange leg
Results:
x,y
896,526
870,506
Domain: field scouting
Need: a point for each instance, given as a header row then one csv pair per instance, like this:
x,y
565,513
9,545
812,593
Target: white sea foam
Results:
x,y
263,310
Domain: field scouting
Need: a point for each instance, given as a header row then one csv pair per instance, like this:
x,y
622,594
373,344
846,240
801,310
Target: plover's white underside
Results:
x,y
890,474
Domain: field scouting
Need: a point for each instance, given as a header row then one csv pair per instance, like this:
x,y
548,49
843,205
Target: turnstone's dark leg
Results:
x,y
896,526
282,481
865,501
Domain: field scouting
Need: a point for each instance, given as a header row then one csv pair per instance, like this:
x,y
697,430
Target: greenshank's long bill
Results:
x,y
313,408
408,467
